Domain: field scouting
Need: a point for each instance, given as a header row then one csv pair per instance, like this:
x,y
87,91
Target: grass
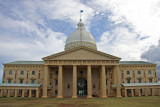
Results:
x,y
149,101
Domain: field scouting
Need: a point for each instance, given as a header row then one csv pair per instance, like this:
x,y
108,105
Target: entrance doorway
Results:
x,y
81,87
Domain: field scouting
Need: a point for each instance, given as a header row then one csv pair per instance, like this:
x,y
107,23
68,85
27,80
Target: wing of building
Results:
x,y
79,71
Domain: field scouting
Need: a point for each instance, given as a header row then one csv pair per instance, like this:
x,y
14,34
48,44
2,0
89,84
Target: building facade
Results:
x,y
79,71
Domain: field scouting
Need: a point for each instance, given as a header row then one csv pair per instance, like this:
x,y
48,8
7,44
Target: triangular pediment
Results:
x,y
81,53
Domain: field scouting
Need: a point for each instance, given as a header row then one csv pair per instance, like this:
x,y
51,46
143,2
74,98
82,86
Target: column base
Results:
x,y
74,96
59,96
89,96
103,96
44,96
121,96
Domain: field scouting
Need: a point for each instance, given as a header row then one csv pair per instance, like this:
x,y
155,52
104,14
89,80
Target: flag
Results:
x,y
81,11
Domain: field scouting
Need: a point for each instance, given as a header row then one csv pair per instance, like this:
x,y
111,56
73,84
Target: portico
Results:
x,y
69,71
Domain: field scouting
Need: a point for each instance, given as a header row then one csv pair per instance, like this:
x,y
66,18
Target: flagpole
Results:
x,y
80,15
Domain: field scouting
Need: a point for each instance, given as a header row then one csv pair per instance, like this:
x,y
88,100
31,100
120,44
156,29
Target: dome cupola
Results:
x,y
80,37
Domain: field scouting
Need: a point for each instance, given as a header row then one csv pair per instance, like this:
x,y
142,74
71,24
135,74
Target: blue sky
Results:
x,y
32,29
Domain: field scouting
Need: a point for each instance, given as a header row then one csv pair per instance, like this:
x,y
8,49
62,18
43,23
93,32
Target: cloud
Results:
x,y
152,55
120,42
142,16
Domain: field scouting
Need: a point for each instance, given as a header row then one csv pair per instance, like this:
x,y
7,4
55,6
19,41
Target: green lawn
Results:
x,y
150,101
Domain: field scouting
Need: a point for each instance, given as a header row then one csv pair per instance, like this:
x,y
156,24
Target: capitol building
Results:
x,y
80,71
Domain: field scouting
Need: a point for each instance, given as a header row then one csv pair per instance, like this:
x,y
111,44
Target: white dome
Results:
x,y
80,37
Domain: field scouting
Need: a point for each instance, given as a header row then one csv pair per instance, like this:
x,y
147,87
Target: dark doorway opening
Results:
x,y
82,87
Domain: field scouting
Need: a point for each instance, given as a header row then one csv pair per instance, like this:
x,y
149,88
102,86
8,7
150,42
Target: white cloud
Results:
x,y
120,42
142,16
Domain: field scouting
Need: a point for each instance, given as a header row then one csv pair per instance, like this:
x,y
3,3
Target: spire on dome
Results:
x,y
80,24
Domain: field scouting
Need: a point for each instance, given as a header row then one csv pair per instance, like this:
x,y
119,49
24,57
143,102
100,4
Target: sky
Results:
x,y
33,29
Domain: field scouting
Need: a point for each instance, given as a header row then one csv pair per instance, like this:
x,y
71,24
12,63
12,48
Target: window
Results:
x,y
20,91
56,92
139,80
33,72
10,72
128,80
22,72
9,80
106,81
129,91
81,72
21,81
32,81
56,72
50,75
33,91
149,72
128,72
150,80
139,72
56,82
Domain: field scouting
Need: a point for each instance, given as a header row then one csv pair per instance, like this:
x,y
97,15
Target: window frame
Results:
x,y
151,80
32,81
129,80
20,81
56,82
33,72
10,81
139,72
10,72
139,80
128,72
149,72
22,72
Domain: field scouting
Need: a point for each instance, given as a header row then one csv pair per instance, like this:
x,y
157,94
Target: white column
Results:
x,y
15,93
22,93
103,82
139,92
74,90
30,94
125,92
89,81
132,92
146,91
37,93
45,80
8,93
1,93
118,81
60,84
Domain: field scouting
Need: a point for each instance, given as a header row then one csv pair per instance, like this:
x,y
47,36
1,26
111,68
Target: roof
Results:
x,y
42,62
140,84
18,84
134,62
26,62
